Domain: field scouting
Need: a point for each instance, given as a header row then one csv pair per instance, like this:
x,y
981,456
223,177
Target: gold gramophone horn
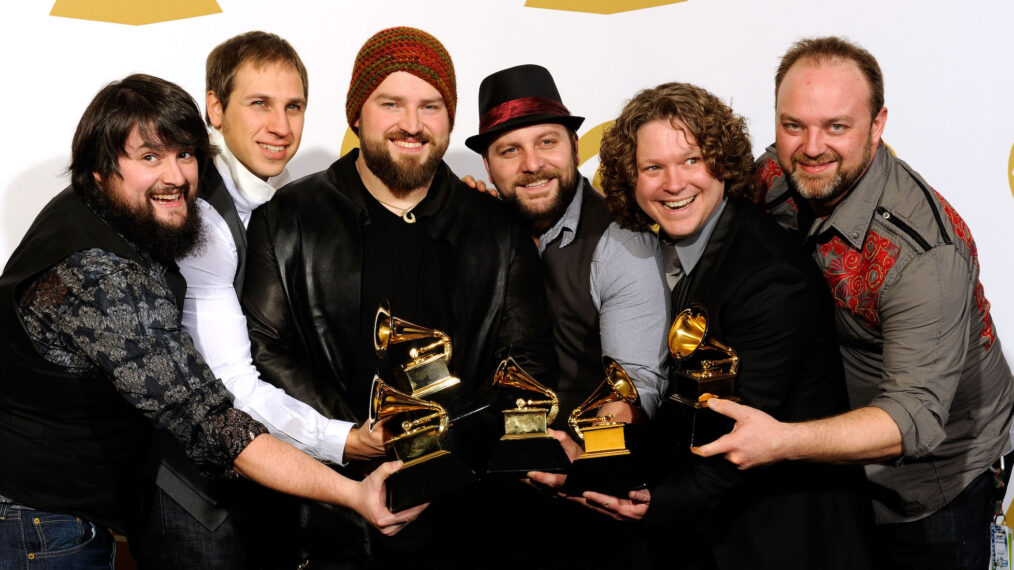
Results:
x,y
385,402
689,333
616,387
509,373
388,330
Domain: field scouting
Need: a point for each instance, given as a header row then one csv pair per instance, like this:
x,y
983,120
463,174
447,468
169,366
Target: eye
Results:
x,y
838,128
547,142
298,107
509,151
389,105
258,103
650,168
792,128
692,160
149,157
186,155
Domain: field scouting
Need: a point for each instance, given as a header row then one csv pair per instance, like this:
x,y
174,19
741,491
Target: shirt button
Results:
x,y
36,520
886,215
31,556
855,235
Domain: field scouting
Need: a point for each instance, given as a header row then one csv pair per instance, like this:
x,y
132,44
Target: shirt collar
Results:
x,y
689,250
247,190
567,224
853,215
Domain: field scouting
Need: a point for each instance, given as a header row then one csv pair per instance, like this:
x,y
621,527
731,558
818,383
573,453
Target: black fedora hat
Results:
x,y
518,97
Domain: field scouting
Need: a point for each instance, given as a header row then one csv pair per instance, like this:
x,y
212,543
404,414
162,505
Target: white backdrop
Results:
x,y
947,65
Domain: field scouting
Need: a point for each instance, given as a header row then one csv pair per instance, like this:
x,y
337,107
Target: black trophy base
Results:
x,y
422,481
519,456
614,475
702,424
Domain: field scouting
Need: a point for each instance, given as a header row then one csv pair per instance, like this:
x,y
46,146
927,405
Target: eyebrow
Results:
x,y
400,98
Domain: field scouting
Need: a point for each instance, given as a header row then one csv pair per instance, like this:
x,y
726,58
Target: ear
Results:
x,y
214,106
485,162
355,125
98,177
877,128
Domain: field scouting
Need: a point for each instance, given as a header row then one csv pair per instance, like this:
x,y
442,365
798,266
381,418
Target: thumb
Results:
x,y
386,469
728,408
716,447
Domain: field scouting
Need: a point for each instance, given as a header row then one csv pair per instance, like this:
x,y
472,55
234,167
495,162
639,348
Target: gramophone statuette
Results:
x,y
526,444
426,372
428,470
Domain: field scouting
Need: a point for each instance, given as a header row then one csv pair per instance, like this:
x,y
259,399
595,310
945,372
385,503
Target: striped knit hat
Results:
x,y
401,49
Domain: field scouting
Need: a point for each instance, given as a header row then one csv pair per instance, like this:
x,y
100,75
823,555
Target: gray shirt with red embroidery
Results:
x,y
913,321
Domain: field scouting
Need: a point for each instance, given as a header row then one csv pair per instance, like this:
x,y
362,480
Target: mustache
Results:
x,y
183,189
823,158
542,174
402,134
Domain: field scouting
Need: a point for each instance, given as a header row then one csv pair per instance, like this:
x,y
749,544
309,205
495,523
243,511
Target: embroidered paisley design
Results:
x,y
768,172
965,234
855,277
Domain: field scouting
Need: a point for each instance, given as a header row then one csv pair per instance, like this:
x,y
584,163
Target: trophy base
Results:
x,y
701,423
613,473
519,455
426,478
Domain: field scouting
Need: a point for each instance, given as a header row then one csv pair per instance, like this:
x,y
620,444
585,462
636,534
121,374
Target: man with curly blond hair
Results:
x,y
678,161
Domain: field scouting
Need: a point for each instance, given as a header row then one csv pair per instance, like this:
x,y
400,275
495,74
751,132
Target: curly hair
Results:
x,y
719,133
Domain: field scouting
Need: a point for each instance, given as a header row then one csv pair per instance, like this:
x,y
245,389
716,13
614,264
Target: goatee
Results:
x,y
541,219
402,176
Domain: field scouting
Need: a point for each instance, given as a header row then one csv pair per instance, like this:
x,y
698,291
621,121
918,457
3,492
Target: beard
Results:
x,y
402,176
542,217
139,225
828,191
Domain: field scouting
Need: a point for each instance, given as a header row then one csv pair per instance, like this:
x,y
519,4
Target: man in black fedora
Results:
x,y
602,300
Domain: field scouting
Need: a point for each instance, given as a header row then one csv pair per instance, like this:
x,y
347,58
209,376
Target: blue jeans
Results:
x,y
954,538
39,540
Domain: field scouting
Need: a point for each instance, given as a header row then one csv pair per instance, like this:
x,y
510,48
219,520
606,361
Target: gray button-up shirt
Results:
x,y
628,290
916,336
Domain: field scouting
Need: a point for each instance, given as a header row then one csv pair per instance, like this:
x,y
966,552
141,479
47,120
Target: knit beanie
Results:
x,y
401,49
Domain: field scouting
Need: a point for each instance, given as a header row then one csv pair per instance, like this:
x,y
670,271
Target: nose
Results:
x,y
674,180
532,161
813,143
409,121
279,122
172,173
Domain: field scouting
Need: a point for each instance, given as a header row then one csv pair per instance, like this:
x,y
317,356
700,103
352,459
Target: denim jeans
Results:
x,y
39,540
954,538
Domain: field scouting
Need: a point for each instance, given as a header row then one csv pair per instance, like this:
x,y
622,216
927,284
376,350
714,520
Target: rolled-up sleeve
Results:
x,y
925,319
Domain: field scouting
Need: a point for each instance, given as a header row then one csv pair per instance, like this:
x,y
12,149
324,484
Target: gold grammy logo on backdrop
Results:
x,y
1010,170
132,12
598,6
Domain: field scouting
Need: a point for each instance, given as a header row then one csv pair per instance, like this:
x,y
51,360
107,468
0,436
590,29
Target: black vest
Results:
x,y
70,444
567,272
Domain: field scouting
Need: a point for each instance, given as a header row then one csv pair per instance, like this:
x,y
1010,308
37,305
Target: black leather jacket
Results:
x,y
304,278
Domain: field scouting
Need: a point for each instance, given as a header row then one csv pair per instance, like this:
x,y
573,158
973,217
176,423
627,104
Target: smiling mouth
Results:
x,y
272,148
538,183
678,204
166,197
407,144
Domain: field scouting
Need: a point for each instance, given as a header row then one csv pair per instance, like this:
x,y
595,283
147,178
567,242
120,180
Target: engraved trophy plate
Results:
x,y
526,444
606,464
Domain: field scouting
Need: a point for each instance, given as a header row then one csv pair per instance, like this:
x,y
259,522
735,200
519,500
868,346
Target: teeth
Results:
x,y
677,204
272,147
537,183
168,197
408,144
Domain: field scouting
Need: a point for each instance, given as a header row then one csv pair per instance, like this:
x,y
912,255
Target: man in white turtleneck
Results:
x,y
256,100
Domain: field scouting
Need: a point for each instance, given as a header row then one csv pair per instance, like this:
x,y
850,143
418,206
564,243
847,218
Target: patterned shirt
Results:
x,y
109,319
916,336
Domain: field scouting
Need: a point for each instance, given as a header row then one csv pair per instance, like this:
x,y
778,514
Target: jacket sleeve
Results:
x,y
278,344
